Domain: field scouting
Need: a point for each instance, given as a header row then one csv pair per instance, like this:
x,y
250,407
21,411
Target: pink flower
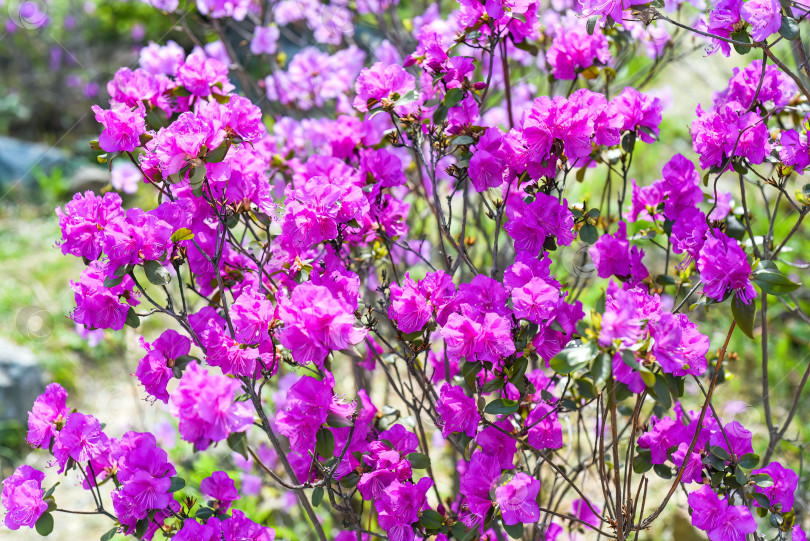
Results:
x,y
204,404
545,430
22,497
122,127
458,411
265,40
315,323
156,368
47,415
517,500
573,50
785,482
764,16
379,82
220,487
80,439
530,224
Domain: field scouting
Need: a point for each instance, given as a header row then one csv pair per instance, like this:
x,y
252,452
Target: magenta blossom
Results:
x,y
517,500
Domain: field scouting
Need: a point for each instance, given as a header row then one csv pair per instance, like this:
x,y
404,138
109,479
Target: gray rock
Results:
x,y
19,159
20,381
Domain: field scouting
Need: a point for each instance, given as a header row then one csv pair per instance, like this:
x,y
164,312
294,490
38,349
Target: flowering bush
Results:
x,y
407,227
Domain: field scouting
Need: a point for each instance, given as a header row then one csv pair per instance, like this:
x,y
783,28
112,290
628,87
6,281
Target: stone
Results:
x,y
21,381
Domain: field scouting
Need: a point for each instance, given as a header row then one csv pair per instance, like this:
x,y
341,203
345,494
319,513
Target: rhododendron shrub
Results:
x,y
361,263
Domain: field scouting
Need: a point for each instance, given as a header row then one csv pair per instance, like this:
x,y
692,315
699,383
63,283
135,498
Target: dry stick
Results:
x,y
698,426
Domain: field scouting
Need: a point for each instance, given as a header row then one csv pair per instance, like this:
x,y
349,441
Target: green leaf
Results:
x,y
749,461
588,233
409,97
462,140
663,471
44,524
629,141
123,270
493,385
742,36
515,531
317,496
502,406
110,534
744,315
601,368
453,97
573,358
350,481
204,513
325,442
462,532
789,29
642,462
469,372
197,176
719,452
740,477
237,441
132,318
590,26
181,234
660,391
418,461
761,499
49,492
112,281
772,281
431,520
178,483
156,273
218,154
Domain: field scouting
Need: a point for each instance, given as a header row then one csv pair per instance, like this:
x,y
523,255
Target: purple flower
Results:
x,y
194,531
199,73
409,308
316,322
611,254
80,439
764,16
545,430
156,368
489,165
723,266
693,472
458,411
379,82
785,482
640,113
22,497
265,40
536,301
220,487
306,410
530,224
399,507
795,149
517,500
480,477
204,403
494,443
573,50
734,438
47,416
122,127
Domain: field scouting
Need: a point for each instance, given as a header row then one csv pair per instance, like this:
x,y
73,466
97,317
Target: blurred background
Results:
x,y
55,60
